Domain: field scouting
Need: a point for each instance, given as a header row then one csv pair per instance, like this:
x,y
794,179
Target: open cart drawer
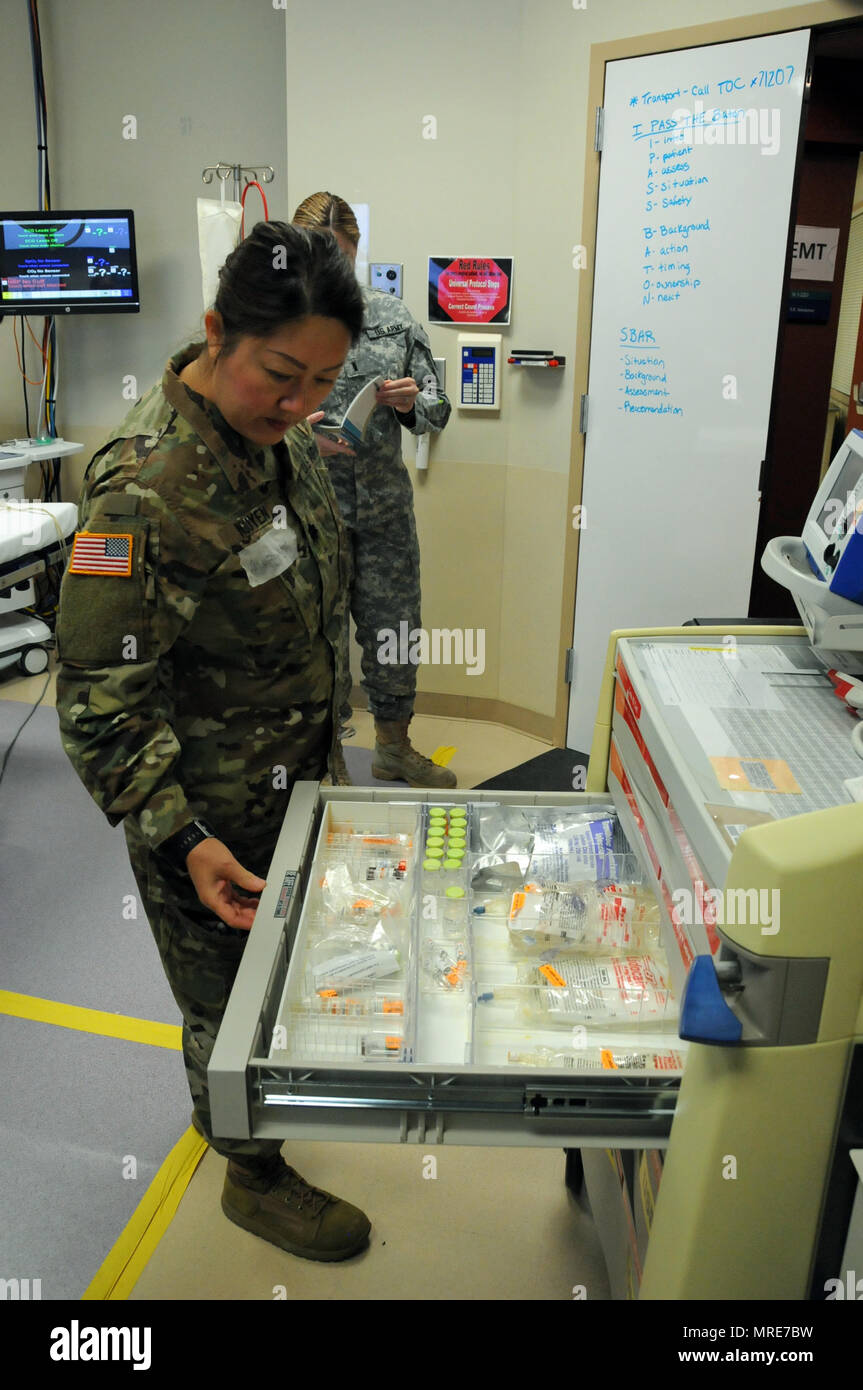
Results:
x,y
401,981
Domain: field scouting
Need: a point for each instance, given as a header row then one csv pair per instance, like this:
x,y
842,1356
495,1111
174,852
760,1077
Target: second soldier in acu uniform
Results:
x,y
376,497
200,635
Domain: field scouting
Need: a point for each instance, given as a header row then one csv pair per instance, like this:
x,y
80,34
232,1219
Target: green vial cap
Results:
x,y
431,865
434,840
434,853
457,842
456,852
456,814
437,810
452,863
455,892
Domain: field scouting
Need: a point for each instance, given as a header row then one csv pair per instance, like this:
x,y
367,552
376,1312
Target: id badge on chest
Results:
x,y
269,556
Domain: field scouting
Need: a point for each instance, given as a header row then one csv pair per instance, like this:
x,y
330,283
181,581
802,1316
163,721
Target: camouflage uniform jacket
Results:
x,y
392,345
185,689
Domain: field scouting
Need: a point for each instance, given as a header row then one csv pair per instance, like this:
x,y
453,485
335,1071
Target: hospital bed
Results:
x,y
33,537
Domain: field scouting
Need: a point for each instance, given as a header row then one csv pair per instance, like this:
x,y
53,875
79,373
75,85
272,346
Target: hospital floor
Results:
x,y
110,1194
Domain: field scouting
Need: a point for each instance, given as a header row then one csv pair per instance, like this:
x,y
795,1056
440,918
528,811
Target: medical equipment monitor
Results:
x,y
68,263
833,532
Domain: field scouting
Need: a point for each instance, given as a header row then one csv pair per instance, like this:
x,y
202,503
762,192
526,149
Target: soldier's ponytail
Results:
x,y
328,210
281,274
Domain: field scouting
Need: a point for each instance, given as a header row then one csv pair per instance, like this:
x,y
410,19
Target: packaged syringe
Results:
x,y
594,989
605,915
592,1059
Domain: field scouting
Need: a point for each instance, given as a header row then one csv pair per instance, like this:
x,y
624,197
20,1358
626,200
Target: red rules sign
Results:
x,y
469,289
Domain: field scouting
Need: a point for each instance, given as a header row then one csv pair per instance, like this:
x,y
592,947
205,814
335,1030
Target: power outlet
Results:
x,y
386,276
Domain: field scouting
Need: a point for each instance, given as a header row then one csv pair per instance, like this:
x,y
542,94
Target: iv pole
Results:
x,y
240,173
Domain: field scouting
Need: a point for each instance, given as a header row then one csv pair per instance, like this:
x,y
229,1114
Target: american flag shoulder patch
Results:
x,y
95,553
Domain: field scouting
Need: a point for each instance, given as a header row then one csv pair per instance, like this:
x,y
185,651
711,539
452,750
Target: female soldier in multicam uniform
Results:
x,y
200,634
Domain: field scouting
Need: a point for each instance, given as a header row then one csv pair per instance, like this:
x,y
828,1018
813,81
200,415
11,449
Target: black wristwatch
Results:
x,y
177,846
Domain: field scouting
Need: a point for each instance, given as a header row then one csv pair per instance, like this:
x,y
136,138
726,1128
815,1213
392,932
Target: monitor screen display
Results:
x,y
841,508
68,263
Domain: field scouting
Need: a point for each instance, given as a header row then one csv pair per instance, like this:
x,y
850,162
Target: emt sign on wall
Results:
x,y
813,255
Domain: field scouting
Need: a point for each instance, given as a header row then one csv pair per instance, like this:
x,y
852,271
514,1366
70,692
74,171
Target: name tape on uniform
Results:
x,y
386,330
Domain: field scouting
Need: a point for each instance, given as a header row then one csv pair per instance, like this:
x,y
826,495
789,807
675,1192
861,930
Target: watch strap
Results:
x,y
177,846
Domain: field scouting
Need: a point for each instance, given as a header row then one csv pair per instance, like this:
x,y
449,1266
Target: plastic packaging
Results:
x,y
566,847
354,967
574,848
369,858
383,1047
349,898
596,989
503,842
444,965
591,1059
351,955
500,877
577,916
364,1004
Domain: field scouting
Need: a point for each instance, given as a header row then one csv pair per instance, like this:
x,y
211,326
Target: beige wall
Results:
x,y
357,80
493,509
206,82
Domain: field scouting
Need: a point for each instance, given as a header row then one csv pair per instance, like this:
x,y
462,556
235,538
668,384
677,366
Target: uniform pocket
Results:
x,y
305,597
103,617
272,584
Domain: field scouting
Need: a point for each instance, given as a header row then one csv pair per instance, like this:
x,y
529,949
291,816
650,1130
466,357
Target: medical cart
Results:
x,y
724,756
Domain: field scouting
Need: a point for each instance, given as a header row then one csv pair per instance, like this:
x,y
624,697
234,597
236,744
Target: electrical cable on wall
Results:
x,y
22,366
46,417
41,106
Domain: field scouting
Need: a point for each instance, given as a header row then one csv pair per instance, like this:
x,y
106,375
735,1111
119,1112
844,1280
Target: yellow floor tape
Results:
x,y
140,1030
443,755
123,1266
153,1215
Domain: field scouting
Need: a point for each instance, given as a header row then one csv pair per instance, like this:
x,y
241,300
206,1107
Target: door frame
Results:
x,y
816,15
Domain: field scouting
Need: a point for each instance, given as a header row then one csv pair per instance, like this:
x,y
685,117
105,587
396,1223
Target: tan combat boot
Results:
x,y
396,761
272,1201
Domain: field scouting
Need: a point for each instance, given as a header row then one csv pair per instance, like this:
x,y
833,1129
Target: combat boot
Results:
x,y
396,760
272,1201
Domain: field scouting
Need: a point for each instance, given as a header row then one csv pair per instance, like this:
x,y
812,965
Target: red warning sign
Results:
x,y
469,289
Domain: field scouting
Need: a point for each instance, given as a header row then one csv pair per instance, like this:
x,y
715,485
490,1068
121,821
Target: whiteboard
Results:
x,y
697,165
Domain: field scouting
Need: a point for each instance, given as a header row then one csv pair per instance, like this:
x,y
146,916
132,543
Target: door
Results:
x,y
699,149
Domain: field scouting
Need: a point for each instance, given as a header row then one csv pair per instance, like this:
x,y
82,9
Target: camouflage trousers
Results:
x,y
377,507
200,962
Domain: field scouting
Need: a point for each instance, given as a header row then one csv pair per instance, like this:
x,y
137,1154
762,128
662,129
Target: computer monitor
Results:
x,y
55,263
833,530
